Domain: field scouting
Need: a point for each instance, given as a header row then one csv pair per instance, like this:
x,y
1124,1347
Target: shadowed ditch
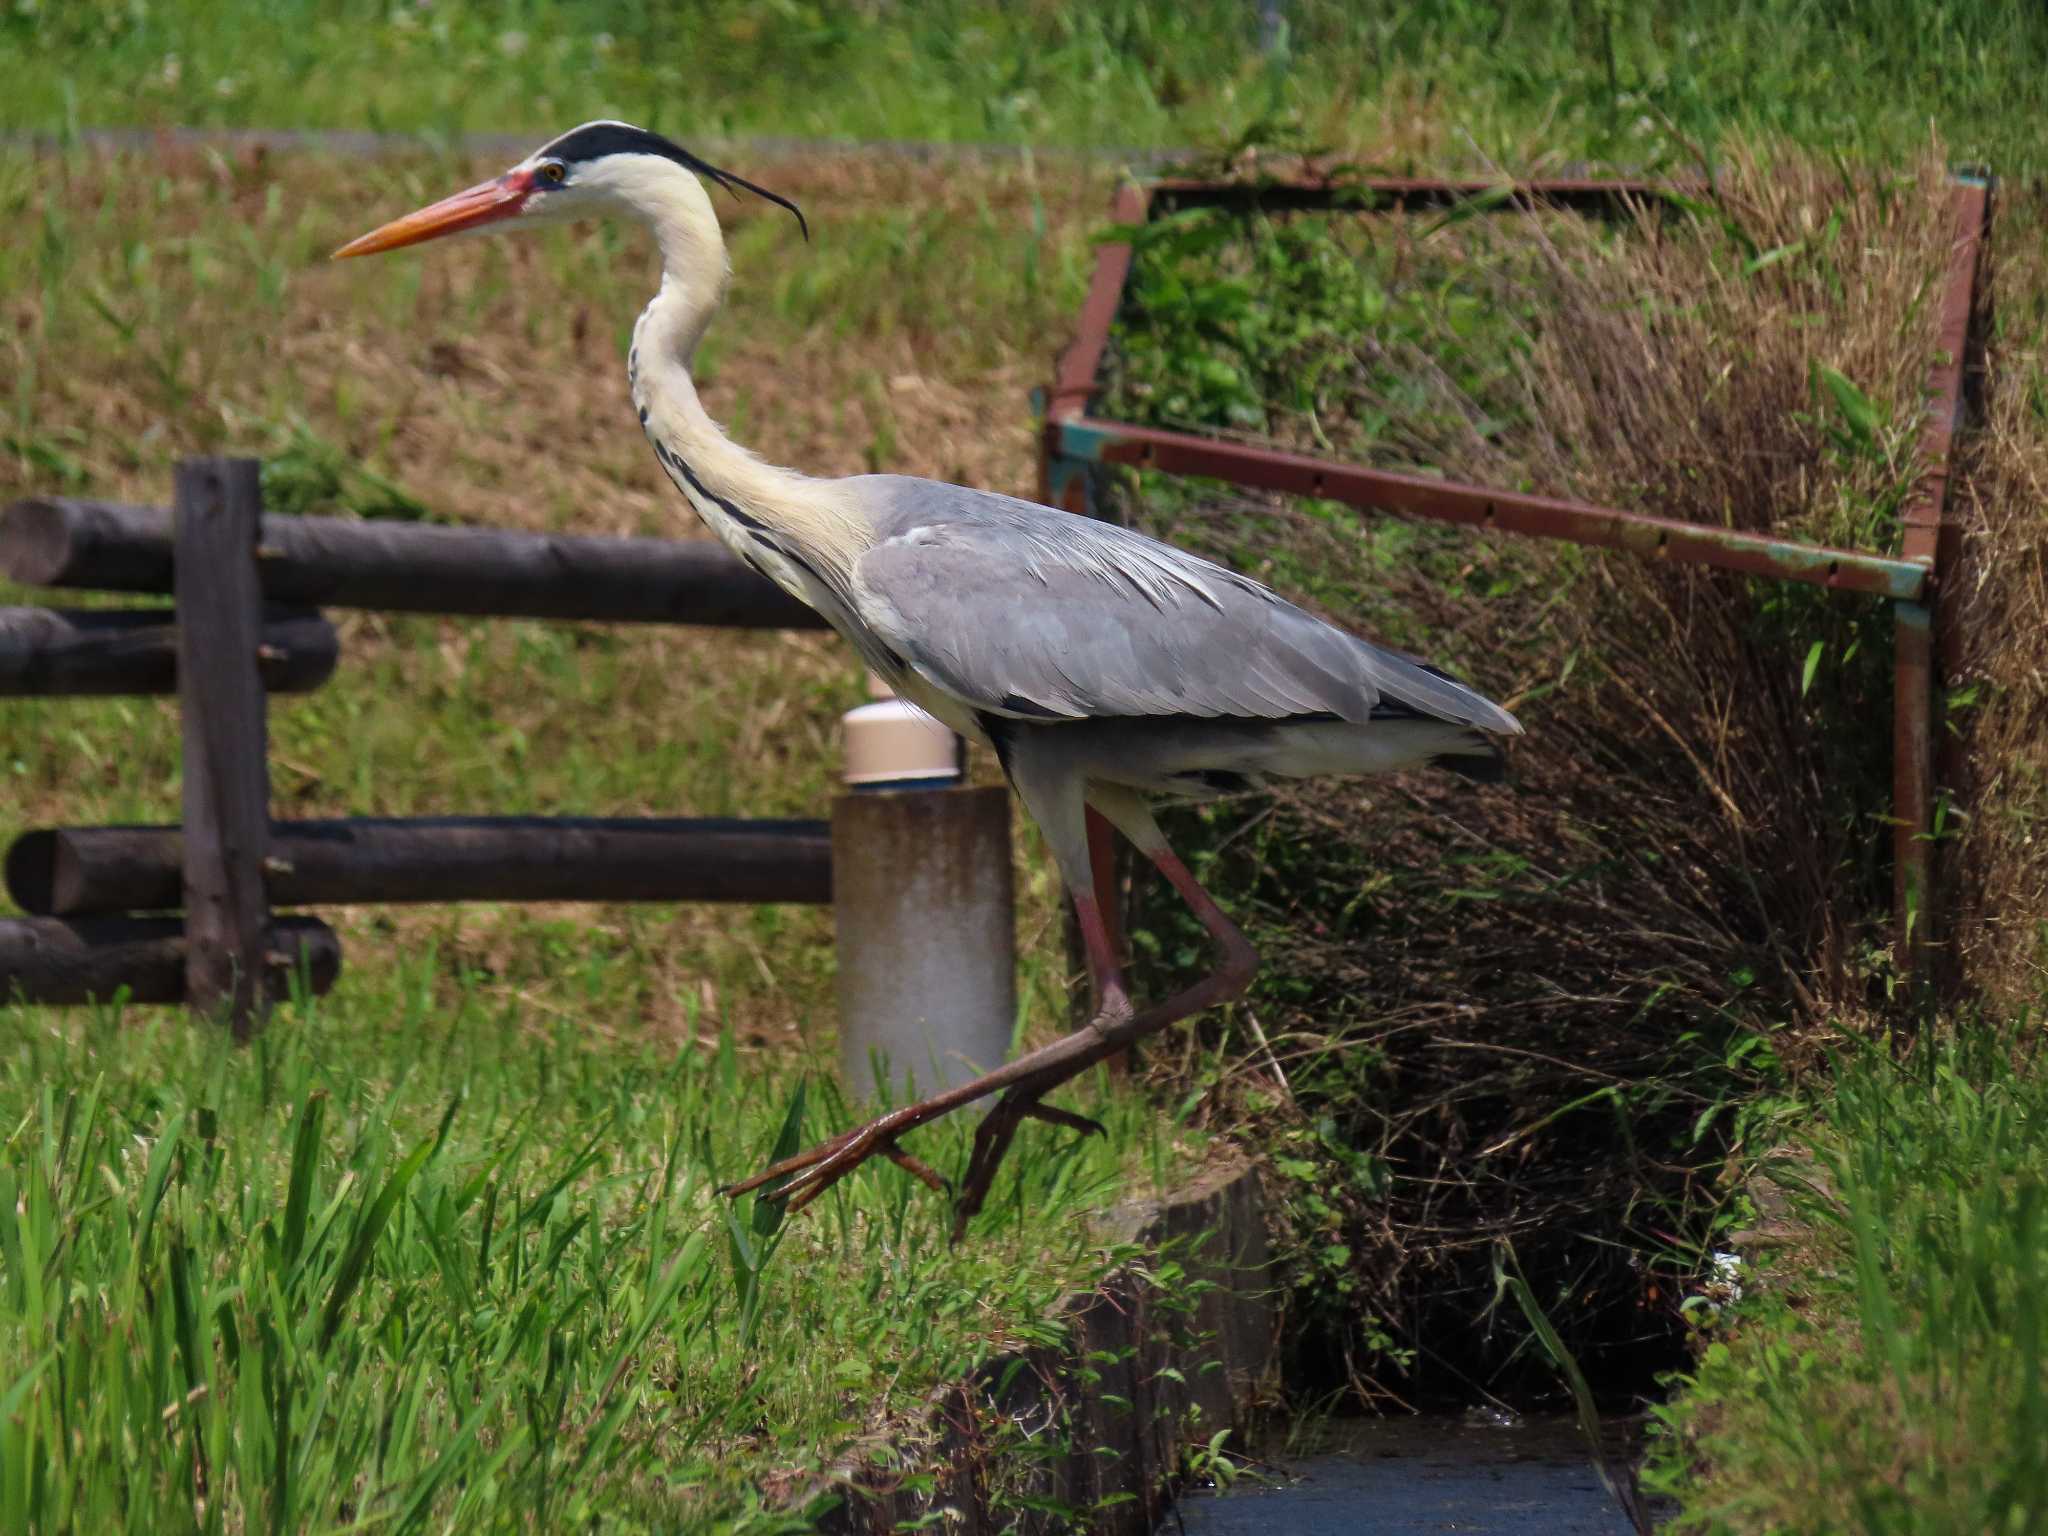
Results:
x,y
1392,1477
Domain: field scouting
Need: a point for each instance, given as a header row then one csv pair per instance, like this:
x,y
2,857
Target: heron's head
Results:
x,y
599,168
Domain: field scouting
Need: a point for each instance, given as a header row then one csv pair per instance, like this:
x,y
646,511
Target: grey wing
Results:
x,y
1026,611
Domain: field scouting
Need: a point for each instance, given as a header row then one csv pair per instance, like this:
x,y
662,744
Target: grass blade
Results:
x,y
305,1155
357,1259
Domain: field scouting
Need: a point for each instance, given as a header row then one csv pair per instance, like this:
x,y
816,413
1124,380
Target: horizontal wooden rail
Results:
x,y
52,652
63,962
81,871
410,567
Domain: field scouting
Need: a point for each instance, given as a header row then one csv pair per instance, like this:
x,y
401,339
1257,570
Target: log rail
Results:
x,y
247,587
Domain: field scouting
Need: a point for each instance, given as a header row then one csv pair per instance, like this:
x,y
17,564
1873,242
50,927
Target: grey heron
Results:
x,y
1103,668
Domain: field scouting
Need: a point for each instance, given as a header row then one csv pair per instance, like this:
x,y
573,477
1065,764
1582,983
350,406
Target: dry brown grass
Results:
x,y
2001,864
183,304
1520,997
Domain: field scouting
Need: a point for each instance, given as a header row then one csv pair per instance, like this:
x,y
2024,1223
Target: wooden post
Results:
x,y
226,750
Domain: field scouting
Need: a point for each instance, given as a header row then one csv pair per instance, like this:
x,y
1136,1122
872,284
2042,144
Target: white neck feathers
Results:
x,y
718,475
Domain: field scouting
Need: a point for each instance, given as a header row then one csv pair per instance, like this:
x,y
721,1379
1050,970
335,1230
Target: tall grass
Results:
x,y
1536,1011
1889,1373
1629,83
409,1262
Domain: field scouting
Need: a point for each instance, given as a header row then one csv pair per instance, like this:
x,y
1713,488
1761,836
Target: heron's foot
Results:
x,y
830,1161
1021,1084
824,1165
992,1140
1052,1114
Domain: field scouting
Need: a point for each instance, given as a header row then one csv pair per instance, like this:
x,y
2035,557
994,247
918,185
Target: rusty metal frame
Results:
x,y
1077,444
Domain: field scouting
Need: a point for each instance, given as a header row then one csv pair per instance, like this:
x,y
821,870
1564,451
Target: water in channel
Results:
x,y
1394,1477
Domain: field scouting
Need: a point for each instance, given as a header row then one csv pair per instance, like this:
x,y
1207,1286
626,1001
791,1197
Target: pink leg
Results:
x,y
1027,1079
1107,986
1105,976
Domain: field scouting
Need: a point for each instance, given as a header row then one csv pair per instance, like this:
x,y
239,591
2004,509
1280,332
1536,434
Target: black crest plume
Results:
x,y
594,141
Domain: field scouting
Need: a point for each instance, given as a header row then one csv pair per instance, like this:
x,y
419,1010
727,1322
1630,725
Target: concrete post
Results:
x,y
921,890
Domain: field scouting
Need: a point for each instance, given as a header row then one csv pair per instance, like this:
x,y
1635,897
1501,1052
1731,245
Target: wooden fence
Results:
x,y
247,587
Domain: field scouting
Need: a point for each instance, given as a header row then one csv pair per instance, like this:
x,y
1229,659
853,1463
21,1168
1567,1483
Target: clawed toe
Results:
x,y
818,1154
830,1161
1053,1115
916,1168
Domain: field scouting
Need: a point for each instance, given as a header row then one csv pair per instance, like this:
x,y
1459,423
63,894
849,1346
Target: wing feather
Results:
x,y
1024,610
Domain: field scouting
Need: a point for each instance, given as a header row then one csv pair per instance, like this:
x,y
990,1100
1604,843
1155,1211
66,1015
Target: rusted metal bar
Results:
x,y
1075,379
1753,554
1325,184
1925,513
1074,484
1929,639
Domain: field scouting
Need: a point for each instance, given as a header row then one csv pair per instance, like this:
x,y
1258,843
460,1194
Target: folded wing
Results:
x,y
1026,611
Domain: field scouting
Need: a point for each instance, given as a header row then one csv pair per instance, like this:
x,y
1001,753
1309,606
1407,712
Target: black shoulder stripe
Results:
x,y
1017,704
998,728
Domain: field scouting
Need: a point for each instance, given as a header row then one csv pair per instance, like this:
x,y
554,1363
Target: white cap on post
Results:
x,y
892,744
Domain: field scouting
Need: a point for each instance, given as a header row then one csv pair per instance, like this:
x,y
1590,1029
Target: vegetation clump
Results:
x,y
409,1262
1887,1369
1539,1013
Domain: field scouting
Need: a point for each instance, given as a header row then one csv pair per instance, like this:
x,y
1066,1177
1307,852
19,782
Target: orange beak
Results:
x,y
484,203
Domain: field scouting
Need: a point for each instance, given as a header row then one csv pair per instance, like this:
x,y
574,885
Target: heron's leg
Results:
x,y
1129,813
1102,945
1026,1080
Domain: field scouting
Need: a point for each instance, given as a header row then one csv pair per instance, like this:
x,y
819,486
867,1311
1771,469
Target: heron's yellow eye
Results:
x,y
553,171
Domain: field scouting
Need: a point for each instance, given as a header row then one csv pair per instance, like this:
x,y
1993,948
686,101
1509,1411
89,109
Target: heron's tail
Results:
x,y
1390,743
1477,757
1405,682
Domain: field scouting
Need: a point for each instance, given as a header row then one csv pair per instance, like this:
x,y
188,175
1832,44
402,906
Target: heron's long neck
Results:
x,y
738,494
664,346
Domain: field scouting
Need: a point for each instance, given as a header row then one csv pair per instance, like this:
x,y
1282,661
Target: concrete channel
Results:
x,y
1406,1477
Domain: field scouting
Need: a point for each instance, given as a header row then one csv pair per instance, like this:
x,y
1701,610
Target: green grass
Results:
x,y
1628,83
155,309
468,1375
1363,338
416,1260
1889,1373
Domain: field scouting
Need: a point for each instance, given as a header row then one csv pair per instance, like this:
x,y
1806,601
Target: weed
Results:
x,y
1885,1370
405,1261
1533,1012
